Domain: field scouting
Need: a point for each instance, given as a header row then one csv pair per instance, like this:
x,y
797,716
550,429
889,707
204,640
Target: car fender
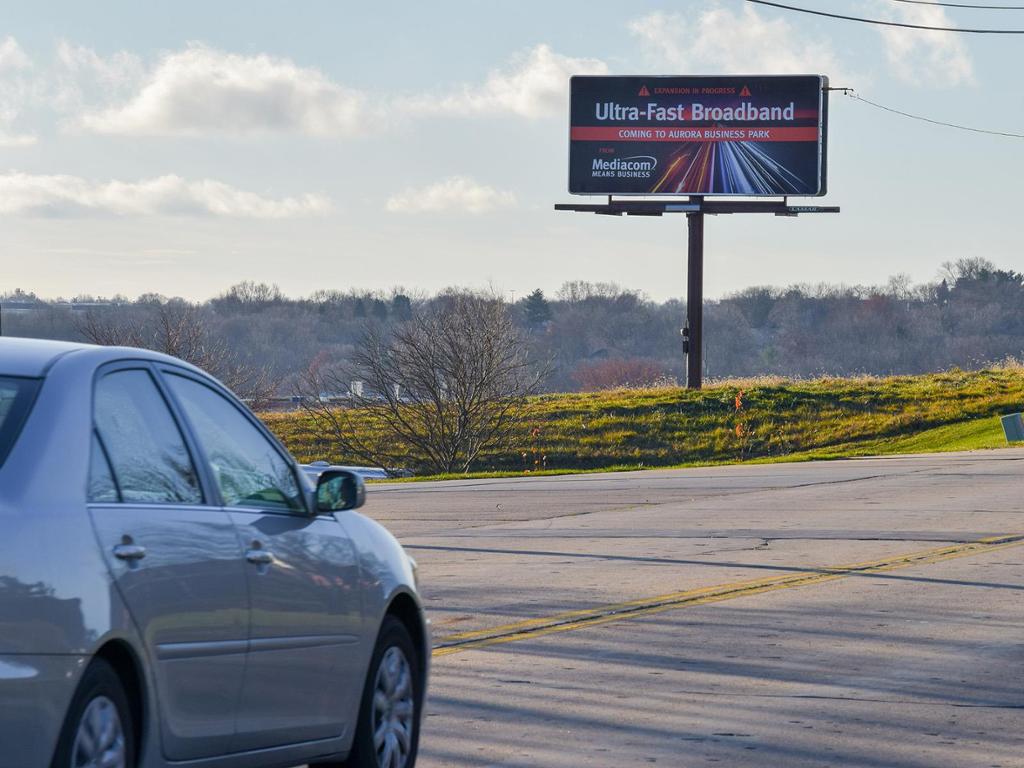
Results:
x,y
386,571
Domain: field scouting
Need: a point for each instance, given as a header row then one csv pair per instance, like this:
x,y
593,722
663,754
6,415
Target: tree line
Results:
x,y
587,335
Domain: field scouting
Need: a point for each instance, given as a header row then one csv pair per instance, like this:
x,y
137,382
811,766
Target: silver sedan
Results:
x,y
174,590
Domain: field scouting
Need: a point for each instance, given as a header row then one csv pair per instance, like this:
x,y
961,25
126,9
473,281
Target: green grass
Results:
x,y
976,434
775,420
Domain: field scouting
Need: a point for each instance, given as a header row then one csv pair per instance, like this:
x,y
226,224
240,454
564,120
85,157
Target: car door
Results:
x,y
304,669
176,560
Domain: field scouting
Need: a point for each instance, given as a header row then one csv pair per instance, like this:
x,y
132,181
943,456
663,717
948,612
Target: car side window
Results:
x,y
147,452
248,469
102,487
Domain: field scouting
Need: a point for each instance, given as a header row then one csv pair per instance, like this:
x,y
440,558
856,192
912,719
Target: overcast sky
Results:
x,y
183,147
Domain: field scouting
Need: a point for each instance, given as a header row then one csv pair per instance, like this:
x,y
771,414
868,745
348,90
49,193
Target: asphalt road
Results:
x,y
858,613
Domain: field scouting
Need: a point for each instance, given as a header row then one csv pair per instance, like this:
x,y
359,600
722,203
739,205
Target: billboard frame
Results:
x,y
823,100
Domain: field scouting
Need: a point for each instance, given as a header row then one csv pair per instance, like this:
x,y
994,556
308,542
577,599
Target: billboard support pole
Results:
x,y
695,298
695,208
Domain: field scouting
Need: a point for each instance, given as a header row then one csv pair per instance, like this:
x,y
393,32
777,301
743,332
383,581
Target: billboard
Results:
x,y
736,135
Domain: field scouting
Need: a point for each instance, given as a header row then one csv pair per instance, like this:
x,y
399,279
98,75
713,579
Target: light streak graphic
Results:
x,y
726,167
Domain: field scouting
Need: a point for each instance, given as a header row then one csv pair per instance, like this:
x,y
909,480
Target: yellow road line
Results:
x,y
591,617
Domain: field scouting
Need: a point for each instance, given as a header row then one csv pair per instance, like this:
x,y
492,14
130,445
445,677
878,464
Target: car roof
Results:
x,y
34,357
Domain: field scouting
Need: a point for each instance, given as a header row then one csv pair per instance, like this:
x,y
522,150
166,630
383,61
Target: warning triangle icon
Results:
x,y
644,91
745,92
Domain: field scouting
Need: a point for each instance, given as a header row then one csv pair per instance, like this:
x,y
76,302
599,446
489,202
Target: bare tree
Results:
x,y
109,329
435,391
178,329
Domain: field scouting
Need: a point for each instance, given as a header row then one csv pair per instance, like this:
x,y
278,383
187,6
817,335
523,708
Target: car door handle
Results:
x,y
129,551
259,556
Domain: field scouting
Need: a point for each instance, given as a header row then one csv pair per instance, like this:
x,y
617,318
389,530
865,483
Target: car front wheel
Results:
x,y
387,734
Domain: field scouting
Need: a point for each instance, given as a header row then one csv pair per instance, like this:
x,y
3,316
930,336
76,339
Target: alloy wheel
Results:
x,y
393,710
99,739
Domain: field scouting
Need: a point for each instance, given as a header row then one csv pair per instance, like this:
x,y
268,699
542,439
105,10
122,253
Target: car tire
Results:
x,y
99,722
390,708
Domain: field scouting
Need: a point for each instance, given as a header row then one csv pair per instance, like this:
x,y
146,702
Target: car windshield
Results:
x,y
15,400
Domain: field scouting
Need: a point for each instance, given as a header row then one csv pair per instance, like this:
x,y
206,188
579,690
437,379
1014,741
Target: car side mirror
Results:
x,y
338,489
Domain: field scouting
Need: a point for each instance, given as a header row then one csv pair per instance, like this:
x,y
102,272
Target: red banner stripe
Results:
x,y
683,135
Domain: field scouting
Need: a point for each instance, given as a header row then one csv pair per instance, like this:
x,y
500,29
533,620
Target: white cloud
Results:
x,y
534,84
15,88
62,195
456,193
719,40
13,140
201,90
83,76
12,56
922,57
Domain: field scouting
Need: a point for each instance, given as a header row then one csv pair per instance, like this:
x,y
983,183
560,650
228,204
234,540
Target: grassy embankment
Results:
x,y
757,420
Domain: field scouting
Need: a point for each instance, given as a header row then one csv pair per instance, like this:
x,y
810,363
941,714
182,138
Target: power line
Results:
x,y
881,23
964,5
853,95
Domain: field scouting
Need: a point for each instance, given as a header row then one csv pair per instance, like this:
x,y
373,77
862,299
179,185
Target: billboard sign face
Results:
x,y
737,135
